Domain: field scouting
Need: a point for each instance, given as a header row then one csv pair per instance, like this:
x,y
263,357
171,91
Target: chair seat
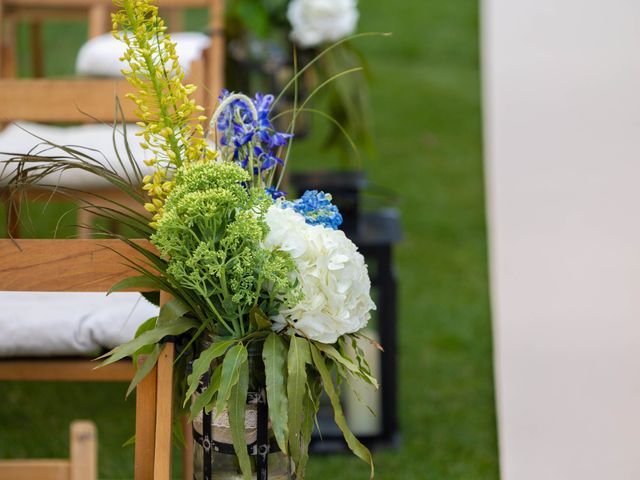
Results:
x,y
95,140
100,56
68,324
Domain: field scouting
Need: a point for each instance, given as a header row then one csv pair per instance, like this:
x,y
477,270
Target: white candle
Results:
x,y
363,396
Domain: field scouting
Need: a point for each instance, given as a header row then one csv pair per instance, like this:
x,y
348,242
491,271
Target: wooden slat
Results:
x,y
216,52
145,425
71,370
84,450
32,469
57,100
164,411
64,265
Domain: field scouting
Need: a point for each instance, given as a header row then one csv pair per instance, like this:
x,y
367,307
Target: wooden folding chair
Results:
x,y
81,465
71,101
92,266
96,12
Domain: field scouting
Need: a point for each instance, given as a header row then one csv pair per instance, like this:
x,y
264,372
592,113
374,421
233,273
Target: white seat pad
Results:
x,y
66,324
95,140
100,56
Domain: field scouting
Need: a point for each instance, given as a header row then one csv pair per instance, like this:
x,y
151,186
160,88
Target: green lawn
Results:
x,y
426,95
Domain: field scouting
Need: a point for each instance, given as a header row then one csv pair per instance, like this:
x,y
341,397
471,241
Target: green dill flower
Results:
x,y
212,233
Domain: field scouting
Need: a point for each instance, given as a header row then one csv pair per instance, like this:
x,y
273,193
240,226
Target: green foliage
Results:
x,y
274,356
236,406
327,382
202,364
298,358
211,234
231,365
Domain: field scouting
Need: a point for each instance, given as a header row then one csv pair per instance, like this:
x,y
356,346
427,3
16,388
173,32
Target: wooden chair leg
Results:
x,y
37,61
84,451
164,414
85,220
145,426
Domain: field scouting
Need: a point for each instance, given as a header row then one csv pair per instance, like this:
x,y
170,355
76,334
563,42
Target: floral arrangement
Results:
x,y
246,268
258,29
315,22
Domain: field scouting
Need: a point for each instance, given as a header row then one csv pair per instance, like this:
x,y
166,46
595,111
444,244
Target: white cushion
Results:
x,y
101,55
96,140
48,324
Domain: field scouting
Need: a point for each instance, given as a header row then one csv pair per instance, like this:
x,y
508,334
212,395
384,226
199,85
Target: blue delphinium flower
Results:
x,y
275,193
251,138
317,209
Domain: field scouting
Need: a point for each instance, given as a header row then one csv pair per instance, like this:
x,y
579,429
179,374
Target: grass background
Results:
x,y
428,136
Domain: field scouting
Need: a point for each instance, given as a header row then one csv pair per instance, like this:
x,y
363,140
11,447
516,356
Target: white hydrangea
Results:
x,y
332,275
317,21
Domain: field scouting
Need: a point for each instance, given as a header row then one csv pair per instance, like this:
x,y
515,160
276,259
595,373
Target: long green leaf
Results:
x,y
297,360
311,405
202,364
259,320
237,404
139,281
145,368
204,399
235,357
274,356
172,310
148,338
145,326
349,364
354,444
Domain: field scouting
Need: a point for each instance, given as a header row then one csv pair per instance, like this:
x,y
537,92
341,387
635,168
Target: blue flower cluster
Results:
x,y
249,137
317,209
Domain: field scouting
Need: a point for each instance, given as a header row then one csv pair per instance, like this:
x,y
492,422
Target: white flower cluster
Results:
x,y
317,21
332,274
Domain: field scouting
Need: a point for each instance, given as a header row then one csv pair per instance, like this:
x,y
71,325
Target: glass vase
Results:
x,y
213,454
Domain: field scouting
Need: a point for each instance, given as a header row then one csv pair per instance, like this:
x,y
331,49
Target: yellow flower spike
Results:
x,y
167,115
150,207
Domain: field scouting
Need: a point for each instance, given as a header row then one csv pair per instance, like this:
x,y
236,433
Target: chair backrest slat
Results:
x,y
65,265
73,100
